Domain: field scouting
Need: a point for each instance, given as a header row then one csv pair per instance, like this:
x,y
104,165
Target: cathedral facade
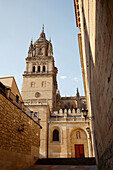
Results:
x,y
65,133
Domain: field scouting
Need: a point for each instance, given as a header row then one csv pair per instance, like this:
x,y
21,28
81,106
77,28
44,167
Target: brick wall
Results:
x,y
17,149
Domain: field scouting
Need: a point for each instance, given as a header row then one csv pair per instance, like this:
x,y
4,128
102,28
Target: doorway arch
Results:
x,y
79,143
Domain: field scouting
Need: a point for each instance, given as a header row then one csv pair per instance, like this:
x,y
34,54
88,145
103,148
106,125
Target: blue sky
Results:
x,y
22,20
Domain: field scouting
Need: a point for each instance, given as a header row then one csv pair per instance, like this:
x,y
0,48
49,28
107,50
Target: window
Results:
x,y
77,6
55,135
44,68
35,114
32,84
33,68
38,68
40,51
17,98
43,83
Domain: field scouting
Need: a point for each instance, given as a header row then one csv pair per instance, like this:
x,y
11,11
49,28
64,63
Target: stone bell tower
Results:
x,y
39,79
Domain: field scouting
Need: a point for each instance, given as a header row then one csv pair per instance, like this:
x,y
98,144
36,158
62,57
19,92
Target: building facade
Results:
x,y
65,132
95,21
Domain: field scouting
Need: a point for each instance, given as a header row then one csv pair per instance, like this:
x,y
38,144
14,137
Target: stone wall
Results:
x,y
102,77
96,46
43,112
65,147
17,149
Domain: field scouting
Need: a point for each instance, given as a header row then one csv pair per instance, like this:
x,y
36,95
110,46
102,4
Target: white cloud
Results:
x,y
76,79
63,77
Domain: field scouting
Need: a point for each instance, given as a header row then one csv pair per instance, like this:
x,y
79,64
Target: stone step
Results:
x,y
61,167
67,161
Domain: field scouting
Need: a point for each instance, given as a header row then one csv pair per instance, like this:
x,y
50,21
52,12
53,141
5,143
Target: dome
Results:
x,y
41,47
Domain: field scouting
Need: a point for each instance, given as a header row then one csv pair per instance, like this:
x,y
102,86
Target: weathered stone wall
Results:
x,y
97,47
102,77
17,149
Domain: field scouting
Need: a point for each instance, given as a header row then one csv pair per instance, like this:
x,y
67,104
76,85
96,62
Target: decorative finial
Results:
x,y
50,39
77,93
31,40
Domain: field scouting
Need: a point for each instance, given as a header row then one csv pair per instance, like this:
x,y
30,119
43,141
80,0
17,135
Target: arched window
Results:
x,y
55,135
40,51
44,68
38,68
33,68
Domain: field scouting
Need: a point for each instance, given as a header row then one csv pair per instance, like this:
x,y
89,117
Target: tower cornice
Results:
x,y
40,58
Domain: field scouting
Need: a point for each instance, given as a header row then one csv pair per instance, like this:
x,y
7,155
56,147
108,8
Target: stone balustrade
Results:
x,y
67,112
66,119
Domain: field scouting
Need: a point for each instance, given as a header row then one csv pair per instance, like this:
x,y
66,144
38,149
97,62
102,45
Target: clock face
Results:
x,y
37,94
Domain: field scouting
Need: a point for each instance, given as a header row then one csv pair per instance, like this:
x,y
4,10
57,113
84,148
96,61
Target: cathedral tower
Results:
x,y
39,79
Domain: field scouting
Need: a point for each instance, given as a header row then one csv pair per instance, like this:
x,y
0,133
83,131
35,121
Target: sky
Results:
x,y
22,20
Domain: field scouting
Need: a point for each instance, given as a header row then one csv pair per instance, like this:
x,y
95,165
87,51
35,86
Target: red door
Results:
x,y
79,151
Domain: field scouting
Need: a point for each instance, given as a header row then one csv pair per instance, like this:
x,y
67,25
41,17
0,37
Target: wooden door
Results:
x,y
79,151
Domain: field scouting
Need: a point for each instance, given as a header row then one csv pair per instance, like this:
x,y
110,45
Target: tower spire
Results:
x,y
77,94
42,34
43,28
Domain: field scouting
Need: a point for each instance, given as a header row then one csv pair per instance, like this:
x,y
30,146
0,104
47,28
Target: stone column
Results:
x,y
68,144
36,68
30,67
64,141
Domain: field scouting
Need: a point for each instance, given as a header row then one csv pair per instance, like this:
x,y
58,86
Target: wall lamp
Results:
x,y
85,114
21,128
